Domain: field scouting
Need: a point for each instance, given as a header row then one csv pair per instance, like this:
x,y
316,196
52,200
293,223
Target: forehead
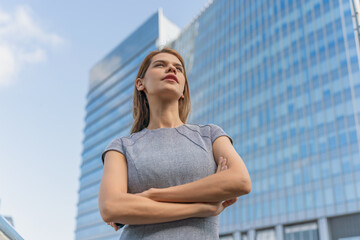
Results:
x,y
166,57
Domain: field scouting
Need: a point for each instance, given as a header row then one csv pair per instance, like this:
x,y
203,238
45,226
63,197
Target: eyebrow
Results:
x,y
176,64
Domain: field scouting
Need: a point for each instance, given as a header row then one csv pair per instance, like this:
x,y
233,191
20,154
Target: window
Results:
x,y
244,236
268,234
308,231
226,237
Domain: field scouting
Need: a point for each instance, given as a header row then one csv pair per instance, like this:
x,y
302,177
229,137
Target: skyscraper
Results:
x,y
108,114
282,79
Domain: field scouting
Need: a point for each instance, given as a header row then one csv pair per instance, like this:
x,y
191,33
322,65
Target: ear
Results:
x,y
139,84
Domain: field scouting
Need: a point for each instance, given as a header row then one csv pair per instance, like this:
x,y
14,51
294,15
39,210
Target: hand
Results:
x,y
217,207
222,167
113,225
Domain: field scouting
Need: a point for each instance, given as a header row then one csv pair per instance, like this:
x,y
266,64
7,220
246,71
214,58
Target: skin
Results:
x,y
163,97
220,205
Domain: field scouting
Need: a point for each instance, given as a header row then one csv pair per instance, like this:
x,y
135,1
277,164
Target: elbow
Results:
x,y
110,212
244,186
247,187
105,212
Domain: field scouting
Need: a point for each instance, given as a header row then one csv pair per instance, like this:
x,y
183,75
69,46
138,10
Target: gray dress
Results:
x,y
166,157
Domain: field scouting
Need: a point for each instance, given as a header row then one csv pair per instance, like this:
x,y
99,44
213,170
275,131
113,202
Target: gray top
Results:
x,y
165,157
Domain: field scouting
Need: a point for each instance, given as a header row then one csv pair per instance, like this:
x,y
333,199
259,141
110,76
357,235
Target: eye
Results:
x,y
180,69
159,64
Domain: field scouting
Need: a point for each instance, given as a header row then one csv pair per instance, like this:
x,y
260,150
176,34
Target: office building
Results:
x,y
282,79
109,115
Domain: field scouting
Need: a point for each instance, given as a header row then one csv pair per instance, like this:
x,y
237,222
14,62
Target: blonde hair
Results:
x,y
141,110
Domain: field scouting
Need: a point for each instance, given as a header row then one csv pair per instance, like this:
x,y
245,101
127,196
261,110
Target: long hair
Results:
x,y
141,110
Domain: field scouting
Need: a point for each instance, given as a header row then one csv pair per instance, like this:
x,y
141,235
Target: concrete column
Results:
x,y
237,235
323,229
251,234
279,232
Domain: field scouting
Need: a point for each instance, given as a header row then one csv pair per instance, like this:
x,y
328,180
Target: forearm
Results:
x,y
217,187
134,209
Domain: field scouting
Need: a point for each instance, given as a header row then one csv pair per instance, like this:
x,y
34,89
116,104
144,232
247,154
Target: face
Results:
x,y
159,78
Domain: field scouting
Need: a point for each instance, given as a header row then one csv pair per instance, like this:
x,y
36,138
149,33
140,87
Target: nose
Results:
x,y
172,68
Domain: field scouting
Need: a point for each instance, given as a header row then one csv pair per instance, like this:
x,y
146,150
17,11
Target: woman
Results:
x,y
169,179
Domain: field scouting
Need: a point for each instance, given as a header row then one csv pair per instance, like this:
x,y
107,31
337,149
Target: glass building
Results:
x,y
109,115
282,78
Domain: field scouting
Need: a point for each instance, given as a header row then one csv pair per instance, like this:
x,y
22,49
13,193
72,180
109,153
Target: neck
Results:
x,y
164,115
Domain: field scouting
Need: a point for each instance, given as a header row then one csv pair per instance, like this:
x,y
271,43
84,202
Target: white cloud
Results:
x,y
22,41
7,64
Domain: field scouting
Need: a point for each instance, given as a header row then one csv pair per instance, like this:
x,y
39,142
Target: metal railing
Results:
x,y
7,231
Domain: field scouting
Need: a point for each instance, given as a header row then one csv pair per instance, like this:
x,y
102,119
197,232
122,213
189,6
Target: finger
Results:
x,y
224,166
220,164
230,201
227,204
114,226
233,200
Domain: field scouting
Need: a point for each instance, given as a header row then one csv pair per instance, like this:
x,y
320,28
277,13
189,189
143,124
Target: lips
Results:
x,y
171,76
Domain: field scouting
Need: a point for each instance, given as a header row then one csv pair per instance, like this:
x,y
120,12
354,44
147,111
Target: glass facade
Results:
x,y
109,115
307,231
282,79
268,234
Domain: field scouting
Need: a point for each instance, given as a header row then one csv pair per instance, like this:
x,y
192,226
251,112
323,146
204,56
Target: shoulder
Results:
x,y
126,140
205,130
133,137
121,144
199,127
213,131
202,127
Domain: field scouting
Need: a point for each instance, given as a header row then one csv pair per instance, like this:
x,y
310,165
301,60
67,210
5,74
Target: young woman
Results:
x,y
168,179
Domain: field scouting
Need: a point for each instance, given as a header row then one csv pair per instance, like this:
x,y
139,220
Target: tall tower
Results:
x,y
109,115
282,78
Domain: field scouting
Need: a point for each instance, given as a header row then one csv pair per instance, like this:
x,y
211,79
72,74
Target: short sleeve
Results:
x,y
217,131
116,145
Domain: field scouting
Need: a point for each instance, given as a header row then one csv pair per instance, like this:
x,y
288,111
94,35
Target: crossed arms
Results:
x,y
195,199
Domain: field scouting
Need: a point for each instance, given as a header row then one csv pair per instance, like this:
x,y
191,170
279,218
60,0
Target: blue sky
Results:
x,y
46,51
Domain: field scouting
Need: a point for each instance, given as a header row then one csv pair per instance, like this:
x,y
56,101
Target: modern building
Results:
x,y
109,115
7,228
282,78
